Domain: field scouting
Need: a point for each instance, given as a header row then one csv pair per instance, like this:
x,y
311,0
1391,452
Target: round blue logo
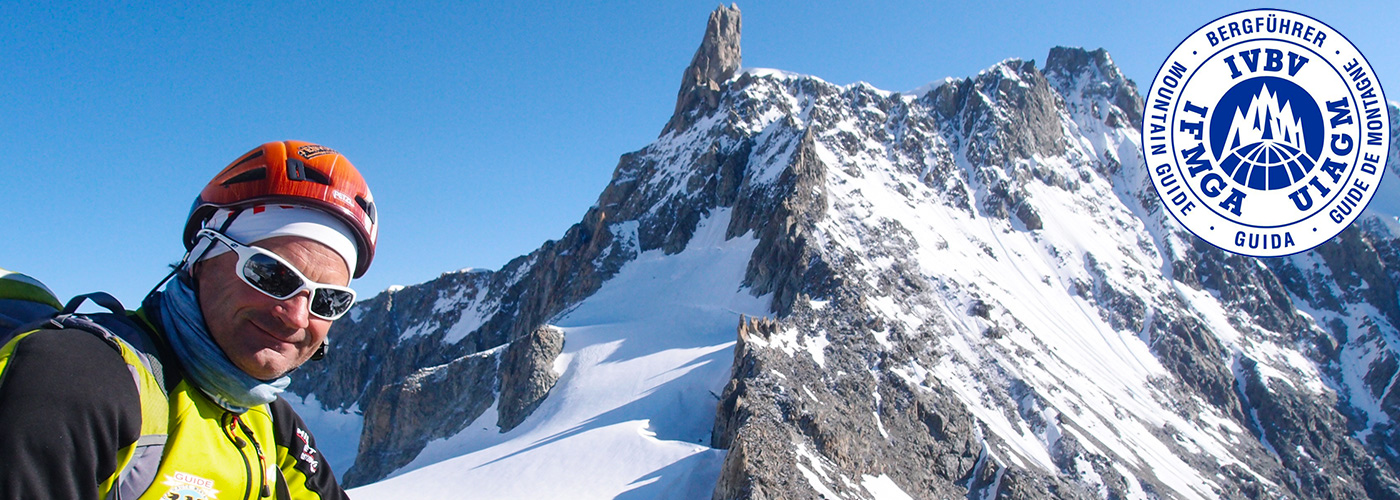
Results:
x,y
1266,133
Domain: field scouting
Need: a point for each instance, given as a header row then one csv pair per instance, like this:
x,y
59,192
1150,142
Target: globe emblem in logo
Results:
x,y
1267,133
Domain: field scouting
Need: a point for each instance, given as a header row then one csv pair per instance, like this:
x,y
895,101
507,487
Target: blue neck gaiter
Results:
x,y
207,365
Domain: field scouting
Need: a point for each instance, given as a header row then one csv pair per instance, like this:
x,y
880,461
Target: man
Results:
x,y
182,400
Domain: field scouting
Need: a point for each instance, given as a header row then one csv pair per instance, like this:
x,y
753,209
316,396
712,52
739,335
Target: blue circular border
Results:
x,y
1142,132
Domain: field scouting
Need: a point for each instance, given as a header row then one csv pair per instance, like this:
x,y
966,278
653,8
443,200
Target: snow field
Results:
x,y
644,360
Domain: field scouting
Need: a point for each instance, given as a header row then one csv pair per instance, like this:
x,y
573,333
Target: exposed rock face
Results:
x,y
921,432
1349,286
783,261
714,63
1087,80
431,403
527,373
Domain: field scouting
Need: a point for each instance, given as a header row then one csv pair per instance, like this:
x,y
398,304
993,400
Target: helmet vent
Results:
x,y
314,175
255,155
368,207
256,174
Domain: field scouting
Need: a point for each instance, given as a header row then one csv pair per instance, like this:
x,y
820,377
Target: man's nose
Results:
x,y
295,312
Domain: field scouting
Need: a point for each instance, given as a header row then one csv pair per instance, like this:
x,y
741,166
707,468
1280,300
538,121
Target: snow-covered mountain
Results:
x,y
805,290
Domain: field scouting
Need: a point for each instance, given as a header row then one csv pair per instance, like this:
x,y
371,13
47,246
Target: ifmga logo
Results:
x,y
1266,133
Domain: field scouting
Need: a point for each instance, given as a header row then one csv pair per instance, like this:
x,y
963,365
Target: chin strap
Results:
x,y
320,353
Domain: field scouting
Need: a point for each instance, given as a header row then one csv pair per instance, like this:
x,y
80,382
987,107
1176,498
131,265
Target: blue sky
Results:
x,y
484,129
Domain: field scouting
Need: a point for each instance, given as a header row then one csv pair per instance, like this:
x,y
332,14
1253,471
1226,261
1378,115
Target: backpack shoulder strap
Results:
x,y
141,349
129,332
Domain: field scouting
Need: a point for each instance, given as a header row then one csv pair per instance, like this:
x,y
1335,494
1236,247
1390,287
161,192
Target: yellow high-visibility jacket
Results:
x,y
100,413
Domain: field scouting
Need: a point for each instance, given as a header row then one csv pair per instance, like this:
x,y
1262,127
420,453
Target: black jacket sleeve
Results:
x,y
305,473
67,404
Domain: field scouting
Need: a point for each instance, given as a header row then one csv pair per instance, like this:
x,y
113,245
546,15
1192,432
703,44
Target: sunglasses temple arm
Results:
x,y
179,266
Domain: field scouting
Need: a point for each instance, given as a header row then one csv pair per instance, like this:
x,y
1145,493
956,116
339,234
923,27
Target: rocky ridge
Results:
x,y
975,293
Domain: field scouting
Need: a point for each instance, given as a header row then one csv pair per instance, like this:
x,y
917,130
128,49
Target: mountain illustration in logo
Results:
x,y
1273,138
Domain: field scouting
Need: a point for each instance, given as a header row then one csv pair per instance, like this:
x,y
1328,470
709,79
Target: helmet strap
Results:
x,y
229,222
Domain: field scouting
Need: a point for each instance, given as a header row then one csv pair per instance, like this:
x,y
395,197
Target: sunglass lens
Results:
x,y
271,276
330,303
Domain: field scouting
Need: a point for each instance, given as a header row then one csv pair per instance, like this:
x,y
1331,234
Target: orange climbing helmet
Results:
x,y
293,172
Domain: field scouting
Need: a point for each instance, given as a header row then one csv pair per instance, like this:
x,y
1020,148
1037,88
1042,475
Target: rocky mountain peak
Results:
x,y
1077,60
718,57
1089,77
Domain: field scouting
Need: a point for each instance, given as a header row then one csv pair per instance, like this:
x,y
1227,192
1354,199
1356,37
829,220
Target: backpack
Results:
x,y
27,307
23,300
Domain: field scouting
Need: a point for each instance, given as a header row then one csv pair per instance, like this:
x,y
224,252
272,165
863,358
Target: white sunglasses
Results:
x,y
268,273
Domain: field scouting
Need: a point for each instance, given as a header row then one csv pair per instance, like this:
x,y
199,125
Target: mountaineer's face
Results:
x,y
264,336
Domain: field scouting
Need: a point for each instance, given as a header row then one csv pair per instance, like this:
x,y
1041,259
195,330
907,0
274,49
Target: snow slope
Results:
x,y
630,416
